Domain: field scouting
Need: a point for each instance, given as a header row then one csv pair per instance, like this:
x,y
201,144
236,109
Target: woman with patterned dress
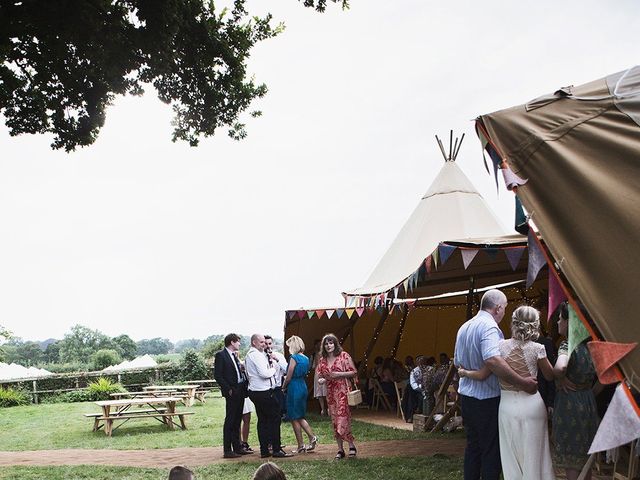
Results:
x,y
319,391
522,418
336,369
296,400
575,415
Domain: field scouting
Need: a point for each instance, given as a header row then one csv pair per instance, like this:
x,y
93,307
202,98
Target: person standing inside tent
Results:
x,y
231,377
476,345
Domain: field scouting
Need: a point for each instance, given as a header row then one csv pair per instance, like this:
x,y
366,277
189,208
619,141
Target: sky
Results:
x,y
141,236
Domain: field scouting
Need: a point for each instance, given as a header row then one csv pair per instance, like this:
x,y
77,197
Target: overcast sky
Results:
x,y
141,236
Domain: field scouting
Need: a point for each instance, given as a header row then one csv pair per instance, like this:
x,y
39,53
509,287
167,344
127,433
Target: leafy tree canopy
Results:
x,y
154,346
81,343
63,62
125,346
104,358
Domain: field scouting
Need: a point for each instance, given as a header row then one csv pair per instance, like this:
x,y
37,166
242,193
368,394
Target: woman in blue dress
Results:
x,y
296,387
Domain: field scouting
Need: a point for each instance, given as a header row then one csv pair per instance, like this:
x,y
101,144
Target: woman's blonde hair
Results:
x,y
295,344
525,323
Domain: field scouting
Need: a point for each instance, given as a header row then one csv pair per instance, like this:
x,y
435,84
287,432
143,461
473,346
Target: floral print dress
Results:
x,y
337,390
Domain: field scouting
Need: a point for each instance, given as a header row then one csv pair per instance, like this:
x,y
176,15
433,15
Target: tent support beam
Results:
x,y
349,334
374,338
400,331
472,282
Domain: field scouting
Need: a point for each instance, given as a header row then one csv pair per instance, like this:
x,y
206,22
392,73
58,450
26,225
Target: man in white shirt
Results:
x,y
261,372
280,364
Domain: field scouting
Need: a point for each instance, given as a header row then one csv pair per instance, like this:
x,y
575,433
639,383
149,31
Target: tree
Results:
x,y
191,343
192,366
154,346
82,343
105,358
126,347
52,352
63,63
211,348
6,335
25,353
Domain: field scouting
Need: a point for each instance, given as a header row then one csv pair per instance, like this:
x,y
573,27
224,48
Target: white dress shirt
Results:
x,y
281,368
240,379
258,370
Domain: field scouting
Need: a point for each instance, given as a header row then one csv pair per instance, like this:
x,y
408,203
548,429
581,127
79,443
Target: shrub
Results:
x,y
101,389
105,358
11,398
193,366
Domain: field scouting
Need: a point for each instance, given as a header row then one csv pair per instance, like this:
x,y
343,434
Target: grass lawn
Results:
x,y
427,468
63,425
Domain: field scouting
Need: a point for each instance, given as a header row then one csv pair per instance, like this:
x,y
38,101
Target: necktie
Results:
x,y
238,366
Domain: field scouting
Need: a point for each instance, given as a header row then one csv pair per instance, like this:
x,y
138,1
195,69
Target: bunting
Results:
x,y
427,264
492,253
467,256
536,259
434,263
291,314
514,255
556,294
349,312
360,311
320,313
522,225
310,314
620,425
330,313
605,355
445,252
577,331
395,291
340,312
302,314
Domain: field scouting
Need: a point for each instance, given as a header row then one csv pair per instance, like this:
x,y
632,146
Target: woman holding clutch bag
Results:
x,y
336,369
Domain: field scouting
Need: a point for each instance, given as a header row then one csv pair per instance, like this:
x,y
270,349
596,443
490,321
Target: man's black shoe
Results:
x,y
281,454
244,451
231,455
265,454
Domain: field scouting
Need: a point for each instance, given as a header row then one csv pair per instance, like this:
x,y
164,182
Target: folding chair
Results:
x,y
379,396
400,389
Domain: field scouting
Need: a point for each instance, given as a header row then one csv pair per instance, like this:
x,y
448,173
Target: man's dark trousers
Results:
x,y
232,419
268,412
482,454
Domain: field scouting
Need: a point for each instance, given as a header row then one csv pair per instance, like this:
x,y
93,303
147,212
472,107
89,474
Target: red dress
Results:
x,y
337,390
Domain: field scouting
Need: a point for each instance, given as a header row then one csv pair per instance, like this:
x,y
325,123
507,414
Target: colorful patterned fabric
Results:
x,y
337,390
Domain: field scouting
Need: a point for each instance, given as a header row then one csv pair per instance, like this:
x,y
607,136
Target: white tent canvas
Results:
x,y
144,361
451,208
15,371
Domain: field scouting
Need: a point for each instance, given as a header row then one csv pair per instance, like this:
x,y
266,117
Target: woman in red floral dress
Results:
x,y
336,368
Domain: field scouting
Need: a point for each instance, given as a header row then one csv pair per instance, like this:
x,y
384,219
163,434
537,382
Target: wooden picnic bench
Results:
x,y
189,391
162,409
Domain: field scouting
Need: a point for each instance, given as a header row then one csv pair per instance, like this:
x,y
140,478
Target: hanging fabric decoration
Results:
x,y
360,311
435,259
556,294
291,314
605,355
445,252
349,312
302,314
339,312
514,255
511,180
577,331
395,291
427,264
320,313
522,225
468,255
405,285
536,259
330,313
620,425
492,253
310,314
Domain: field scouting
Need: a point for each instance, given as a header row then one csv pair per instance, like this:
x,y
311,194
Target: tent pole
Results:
x,y
349,333
374,338
400,330
470,297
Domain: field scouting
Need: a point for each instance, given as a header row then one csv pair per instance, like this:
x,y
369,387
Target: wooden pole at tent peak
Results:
x,y
444,155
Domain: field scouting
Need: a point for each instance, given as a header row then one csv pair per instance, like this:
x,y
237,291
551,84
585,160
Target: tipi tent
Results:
x,y
144,361
579,151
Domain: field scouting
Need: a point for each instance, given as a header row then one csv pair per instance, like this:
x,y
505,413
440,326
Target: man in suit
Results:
x,y
231,378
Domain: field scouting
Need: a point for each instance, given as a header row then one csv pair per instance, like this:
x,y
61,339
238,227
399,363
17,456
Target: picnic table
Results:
x,y
204,386
189,390
149,393
162,409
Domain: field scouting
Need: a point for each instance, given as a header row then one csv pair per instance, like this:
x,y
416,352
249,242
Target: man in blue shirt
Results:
x,y
477,345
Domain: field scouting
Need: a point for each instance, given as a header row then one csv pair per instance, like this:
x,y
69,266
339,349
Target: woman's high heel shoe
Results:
x,y
301,449
312,446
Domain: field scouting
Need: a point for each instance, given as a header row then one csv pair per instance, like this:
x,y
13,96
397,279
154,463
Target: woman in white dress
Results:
x,y
522,418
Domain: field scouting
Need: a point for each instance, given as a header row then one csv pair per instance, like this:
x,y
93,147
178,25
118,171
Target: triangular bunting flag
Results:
x,y
522,225
445,252
360,311
427,264
605,355
319,313
349,312
310,314
330,313
434,255
468,255
395,292
380,310
511,180
405,285
339,312
492,253
291,314
514,255
556,294
577,331
620,425
302,314
536,259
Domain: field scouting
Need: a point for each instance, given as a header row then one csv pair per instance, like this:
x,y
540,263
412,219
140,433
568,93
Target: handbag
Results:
x,y
354,397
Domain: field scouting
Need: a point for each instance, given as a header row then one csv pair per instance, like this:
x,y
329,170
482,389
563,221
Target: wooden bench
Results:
x,y
98,416
164,417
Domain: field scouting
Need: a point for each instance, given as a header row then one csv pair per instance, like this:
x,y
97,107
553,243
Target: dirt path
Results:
x,y
194,457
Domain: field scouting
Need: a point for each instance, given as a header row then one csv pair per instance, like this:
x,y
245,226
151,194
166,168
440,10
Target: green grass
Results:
x,y
427,468
63,425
